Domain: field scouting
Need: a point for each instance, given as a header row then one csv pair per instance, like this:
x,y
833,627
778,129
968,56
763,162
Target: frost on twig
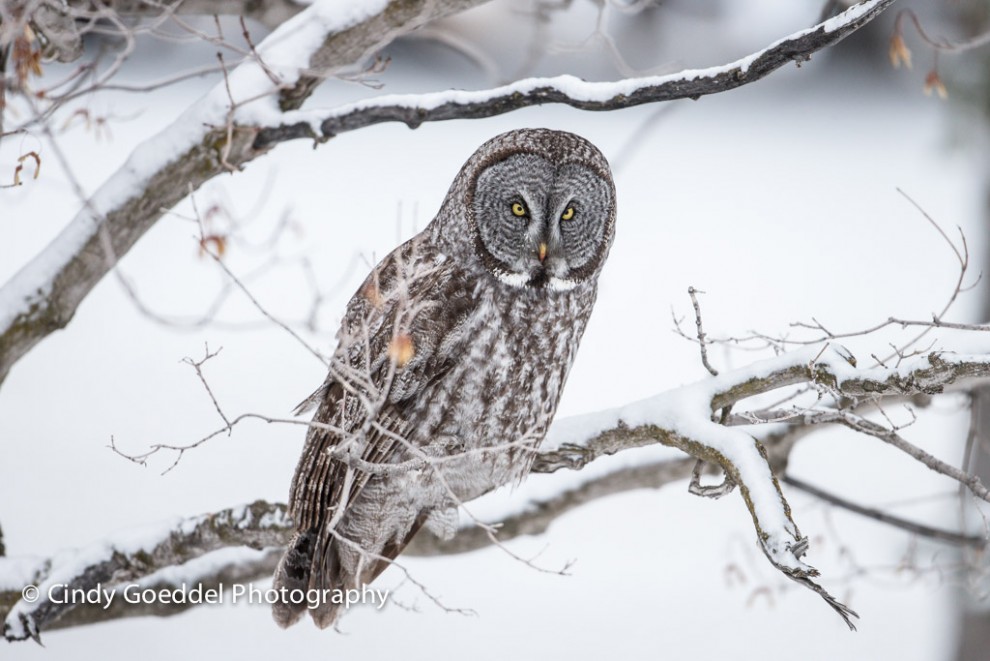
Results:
x,y
681,418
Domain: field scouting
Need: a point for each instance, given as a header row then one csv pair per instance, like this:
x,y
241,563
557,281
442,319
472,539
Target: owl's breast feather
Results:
x,y
508,365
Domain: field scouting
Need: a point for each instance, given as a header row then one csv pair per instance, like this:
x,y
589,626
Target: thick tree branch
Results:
x,y
672,418
415,109
257,526
242,118
242,570
834,369
260,525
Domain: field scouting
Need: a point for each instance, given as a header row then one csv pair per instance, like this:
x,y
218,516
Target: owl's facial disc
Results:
x,y
540,224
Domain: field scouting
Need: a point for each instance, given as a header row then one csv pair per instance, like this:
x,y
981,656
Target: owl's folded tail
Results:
x,y
318,567
294,582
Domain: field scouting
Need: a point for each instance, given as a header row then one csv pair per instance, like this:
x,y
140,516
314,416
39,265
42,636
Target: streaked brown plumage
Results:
x,y
450,360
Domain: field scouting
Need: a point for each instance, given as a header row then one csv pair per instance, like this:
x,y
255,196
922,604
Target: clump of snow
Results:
x,y
275,519
17,572
850,15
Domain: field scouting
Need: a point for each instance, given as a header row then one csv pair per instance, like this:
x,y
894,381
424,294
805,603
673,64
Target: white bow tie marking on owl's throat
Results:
x,y
520,280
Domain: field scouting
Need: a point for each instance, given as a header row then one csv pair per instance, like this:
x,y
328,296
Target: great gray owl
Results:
x,y
450,362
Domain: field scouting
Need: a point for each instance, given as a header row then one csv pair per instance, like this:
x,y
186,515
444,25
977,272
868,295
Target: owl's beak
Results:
x,y
543,251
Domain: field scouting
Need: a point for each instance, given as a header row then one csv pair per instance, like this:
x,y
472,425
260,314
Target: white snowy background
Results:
x,y
777,199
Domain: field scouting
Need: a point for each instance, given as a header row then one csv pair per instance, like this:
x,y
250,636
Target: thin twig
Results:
x,y
692,292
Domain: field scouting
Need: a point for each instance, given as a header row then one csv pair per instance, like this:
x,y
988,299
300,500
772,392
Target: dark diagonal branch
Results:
x,y
920,529
415,109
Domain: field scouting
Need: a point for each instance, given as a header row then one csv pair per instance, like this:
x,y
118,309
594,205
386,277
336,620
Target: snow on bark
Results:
x,y
160,553
681,418
414,109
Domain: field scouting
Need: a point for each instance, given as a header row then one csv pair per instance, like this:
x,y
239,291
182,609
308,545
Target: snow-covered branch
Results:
x,y
255,107
415,109
575,442
215,135
241,545
135,556
686,418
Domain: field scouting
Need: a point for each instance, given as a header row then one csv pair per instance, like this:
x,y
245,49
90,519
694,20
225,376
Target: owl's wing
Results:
x,y
388,351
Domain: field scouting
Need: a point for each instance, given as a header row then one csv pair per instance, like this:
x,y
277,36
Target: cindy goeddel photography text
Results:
x,y
195,594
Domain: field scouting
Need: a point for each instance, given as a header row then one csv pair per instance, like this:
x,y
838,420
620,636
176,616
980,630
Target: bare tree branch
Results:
x,y
904,348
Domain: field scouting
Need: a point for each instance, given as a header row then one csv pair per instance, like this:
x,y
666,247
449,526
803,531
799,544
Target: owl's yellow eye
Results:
x,y
567,215
518,209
